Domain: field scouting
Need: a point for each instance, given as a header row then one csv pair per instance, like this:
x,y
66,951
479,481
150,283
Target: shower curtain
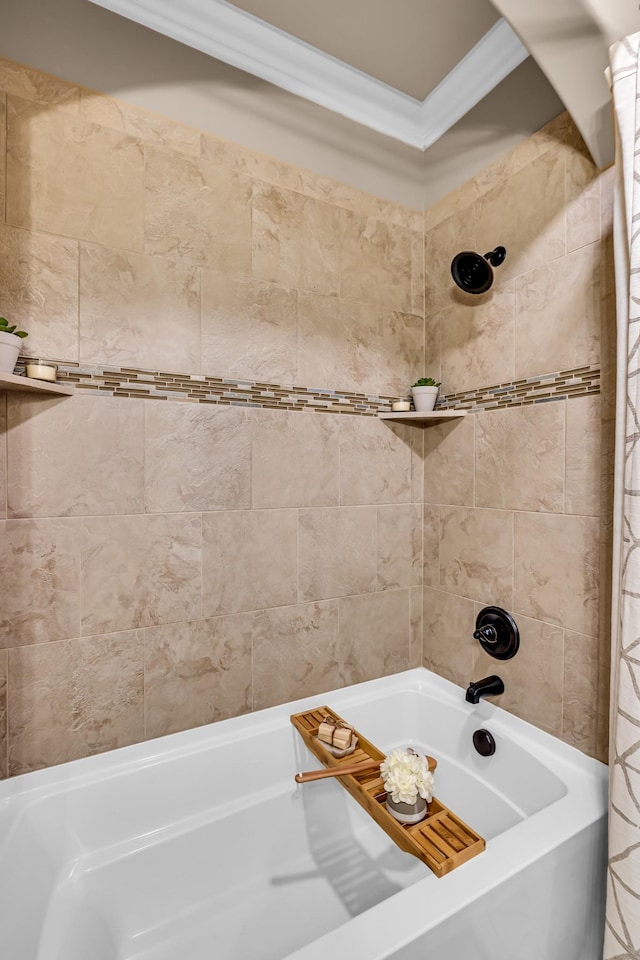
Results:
x,y
622,930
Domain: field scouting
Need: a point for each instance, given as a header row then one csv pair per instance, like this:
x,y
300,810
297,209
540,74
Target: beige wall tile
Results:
x,y
41,561
580,708
448,462
295,652
449,647
68,176
295,240
138,311
416,648
476,551
249,560
558,314
196,672
582,198
556,570
375,635
74,698
375,461
525,214
417,272
336,344
583,464
39,291
138,123
139,571
259,166
337,552
607,181
375,261
533,678
38,87
442,242
197,211
294,459
196,457
431,546
74,456
399,545
344,195
477,340
520,458
4,672
433,345
399,353
3,456
249,329
3,153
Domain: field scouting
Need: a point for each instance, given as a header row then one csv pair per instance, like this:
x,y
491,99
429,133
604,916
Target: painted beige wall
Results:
x,y
518,500
85,44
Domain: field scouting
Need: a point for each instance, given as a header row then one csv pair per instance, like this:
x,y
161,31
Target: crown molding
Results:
x,y
236,37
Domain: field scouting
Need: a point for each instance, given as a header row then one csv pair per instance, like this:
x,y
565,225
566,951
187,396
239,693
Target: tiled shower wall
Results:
x,y
186,557
518,497
169,562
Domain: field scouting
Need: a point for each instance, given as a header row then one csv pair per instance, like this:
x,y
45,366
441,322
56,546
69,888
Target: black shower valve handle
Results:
x,y
487,633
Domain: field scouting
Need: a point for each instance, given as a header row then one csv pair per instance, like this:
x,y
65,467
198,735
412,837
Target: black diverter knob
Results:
x,y
497,632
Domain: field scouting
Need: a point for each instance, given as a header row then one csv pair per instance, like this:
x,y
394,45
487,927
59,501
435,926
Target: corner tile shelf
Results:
x,y
415,416
9,381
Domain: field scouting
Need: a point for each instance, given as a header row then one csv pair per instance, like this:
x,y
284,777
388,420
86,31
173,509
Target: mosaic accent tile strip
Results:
x,y
156,385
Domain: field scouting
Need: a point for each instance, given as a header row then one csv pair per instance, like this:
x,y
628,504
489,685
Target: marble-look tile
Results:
x,y
295,240
449,647
295,652
431,546
448,462
40,560
399,353
139,123
196,672
375,635
39,291
259,166
556,563
607,181
582,199
295,459
249,329
476,554
71,177
375,261
433,345
399,545
4,743
442,242
74,456
137,310
375,461
38,87
3,151
583,449
416,646
3,456
337,344
139,571
344,195
74,698
520,458
533,678
416,445
337,552
197,211
558,314
417,272
249,560
525,214
580,707
196,457
477,337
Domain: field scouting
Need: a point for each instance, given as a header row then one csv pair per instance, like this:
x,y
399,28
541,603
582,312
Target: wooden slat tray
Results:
x,y
442,840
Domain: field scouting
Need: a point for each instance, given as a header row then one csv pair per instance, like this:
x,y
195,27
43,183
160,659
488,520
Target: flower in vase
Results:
x,y
407,776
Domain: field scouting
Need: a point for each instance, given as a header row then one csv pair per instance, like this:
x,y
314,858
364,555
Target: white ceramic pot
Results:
x,y
424,398
9,351
407,812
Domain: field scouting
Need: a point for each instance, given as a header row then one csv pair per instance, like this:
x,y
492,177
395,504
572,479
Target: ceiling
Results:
x,y
410,45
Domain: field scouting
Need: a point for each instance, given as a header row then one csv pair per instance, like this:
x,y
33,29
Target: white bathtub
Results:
x,y
199,846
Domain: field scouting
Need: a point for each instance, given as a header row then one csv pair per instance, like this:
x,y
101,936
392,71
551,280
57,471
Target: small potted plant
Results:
x,y
10,343
425,393
409,785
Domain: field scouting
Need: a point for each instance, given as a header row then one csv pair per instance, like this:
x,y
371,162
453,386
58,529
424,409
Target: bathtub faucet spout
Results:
x,y
489,687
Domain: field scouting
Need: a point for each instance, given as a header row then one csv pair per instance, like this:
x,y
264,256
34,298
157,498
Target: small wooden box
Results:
x,y
442,840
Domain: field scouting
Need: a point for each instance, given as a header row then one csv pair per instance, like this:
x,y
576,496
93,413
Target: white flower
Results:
x,y
406,775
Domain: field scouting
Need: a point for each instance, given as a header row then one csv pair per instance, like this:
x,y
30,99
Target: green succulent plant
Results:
x,y
5,328
426,382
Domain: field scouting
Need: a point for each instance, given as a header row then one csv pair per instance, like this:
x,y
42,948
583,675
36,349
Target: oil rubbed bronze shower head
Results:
x,y
472,272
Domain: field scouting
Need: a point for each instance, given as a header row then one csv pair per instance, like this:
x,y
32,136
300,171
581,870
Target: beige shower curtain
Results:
x,y
622,931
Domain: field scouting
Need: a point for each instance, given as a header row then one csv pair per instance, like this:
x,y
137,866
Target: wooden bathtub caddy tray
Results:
x,y
442,840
